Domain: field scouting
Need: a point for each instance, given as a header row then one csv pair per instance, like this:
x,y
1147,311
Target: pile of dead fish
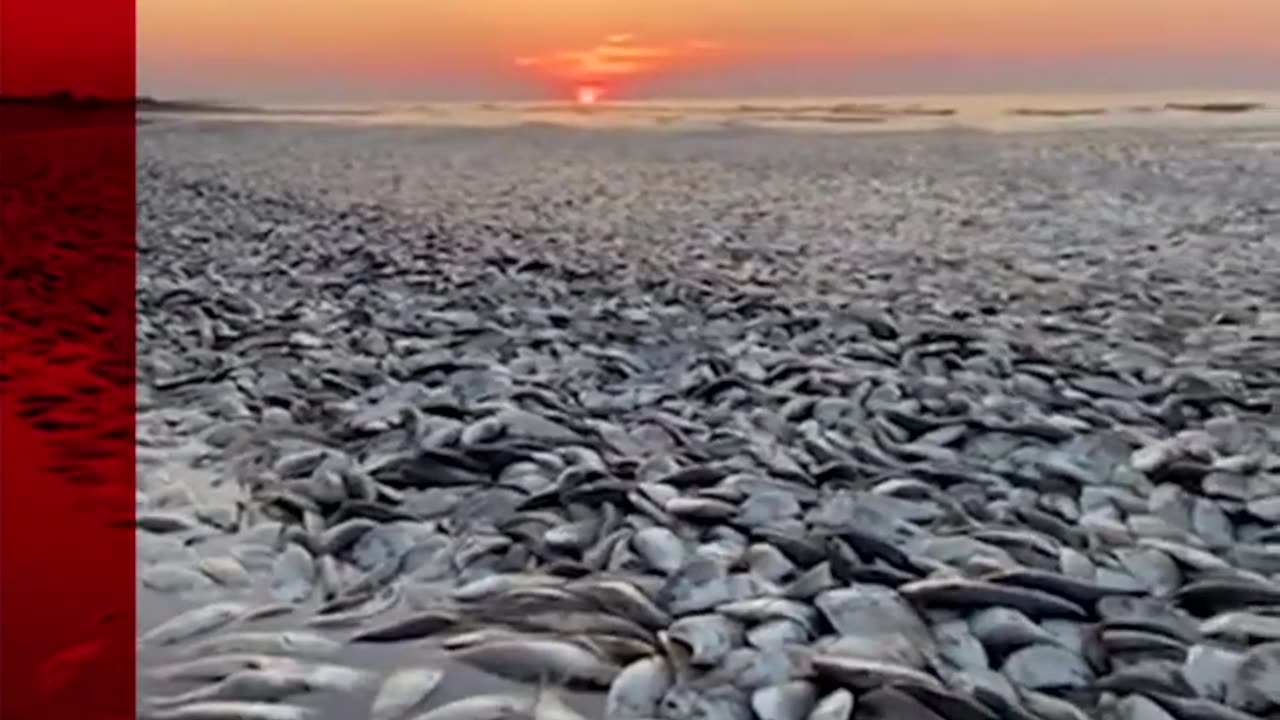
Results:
x,y
702,502
907,525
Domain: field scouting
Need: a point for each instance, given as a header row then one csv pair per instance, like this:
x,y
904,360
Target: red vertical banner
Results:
x,y
67,216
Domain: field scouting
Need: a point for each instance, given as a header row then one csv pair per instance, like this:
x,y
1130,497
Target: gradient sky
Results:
x,y
333,50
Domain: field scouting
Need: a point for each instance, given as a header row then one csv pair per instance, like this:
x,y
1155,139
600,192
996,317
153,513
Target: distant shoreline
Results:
x,y
67,101
63,110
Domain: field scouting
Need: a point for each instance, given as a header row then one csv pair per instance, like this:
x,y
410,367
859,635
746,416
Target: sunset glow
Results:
x,y
616,56
537,48
615,61
588,95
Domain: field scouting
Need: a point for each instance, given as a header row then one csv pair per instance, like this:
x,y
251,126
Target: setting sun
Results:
x,y
588,95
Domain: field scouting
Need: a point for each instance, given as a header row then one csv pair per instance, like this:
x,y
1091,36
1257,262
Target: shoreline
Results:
x,y
836,117
727,130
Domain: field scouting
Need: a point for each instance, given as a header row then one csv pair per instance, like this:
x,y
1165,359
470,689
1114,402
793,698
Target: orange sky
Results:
x,y
252,48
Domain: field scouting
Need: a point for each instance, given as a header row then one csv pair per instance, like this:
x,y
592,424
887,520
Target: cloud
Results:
x,y
617,55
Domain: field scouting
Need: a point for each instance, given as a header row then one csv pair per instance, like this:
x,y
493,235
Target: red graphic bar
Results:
x,y
67,359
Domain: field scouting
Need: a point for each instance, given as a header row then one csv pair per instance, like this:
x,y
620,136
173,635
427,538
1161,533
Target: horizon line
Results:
x,y
647,97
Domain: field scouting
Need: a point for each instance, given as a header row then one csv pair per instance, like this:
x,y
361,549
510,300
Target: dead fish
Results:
x,y
757,610
503,583
481,636
293,575
1241,625
163,521
267,611
768,562
958,646
532,660
1151,614
1192,708
230,710
415,627
1215,673
1002,627
342,536
339,678
724,702
482,707
1259,675
774,634
868,674
638,690
660,548
891,703
226,571
625,599
751,669
1138,707
378,604
174,578
789,701
1207,597
1048,707
707,638
1123,640
1041,667
243,677
247,685
403,690
1147,676
597,556
701,508
254,557
863,610
954,704
616,648
888,647
1077,590
219,667
283,642
837,705
575,622
812,582
963,592
194,622
1187,555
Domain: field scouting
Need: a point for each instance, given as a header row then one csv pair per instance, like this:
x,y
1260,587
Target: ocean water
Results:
x,y
991,113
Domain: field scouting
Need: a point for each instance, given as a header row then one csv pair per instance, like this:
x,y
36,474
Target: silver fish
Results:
x,y
194,622
837,705
660,548
230,710
293,575
638,690
284,642
219,666
531,660
403,690
246,685
788,701
482,707
707,637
